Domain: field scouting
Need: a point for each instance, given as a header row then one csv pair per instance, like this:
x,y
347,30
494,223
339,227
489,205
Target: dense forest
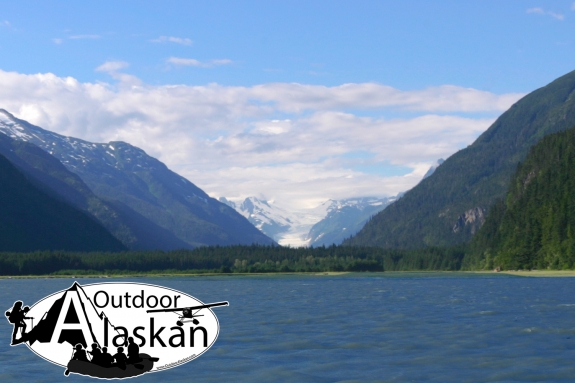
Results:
x,y
534,226
231,259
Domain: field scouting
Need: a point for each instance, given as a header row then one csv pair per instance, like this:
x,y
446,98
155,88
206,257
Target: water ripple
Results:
x,y
400,327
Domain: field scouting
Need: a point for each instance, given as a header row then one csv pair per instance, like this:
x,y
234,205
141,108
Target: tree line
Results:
x,y
231,259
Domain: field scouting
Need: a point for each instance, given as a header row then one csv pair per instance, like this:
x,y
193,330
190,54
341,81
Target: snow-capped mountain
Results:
x,y
345,218
288,228
330,222
272,220
154,202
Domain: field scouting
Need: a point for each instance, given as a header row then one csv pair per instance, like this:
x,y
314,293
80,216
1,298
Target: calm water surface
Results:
x,y
354,328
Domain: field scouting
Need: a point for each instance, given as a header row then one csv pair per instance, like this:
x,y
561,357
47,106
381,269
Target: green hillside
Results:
x,y
32,220
49,175
449,207
534,227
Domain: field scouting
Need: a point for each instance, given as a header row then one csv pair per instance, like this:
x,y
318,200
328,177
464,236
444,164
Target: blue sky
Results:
x,y
274,98
489,45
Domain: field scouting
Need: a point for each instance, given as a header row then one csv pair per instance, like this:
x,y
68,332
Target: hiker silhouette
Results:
x,y
16,316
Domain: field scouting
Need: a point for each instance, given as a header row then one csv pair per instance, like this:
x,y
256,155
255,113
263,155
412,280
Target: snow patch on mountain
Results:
x,y
287,228
294,228
345,218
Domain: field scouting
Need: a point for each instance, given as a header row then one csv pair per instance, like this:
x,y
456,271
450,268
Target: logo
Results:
x,y
116,330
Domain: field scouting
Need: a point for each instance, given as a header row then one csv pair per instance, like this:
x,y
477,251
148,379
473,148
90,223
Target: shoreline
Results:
x,y
539,273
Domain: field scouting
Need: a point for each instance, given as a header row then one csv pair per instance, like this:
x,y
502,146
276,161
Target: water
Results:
x,y
442,327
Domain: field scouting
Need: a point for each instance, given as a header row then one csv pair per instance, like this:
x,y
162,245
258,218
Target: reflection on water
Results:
x,y
357,327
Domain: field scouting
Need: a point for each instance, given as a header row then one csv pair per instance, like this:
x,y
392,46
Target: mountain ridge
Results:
x,y
141,187
474,177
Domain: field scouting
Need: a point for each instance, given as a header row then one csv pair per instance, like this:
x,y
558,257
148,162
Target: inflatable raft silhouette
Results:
x,y
91,369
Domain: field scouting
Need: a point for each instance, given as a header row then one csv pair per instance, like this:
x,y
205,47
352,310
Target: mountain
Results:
x,y
32,220
450,206
345,218
534,226
49,175
270,219
158,208
331,222
288,228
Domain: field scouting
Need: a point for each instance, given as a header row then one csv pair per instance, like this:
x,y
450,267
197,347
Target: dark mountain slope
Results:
x,y
141,186
32,220
534,227
49,175
448,207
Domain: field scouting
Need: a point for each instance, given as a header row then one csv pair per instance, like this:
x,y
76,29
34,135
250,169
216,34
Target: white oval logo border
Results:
x,y
171,365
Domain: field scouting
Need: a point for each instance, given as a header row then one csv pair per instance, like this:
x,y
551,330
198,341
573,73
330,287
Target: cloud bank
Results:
x,y
295,143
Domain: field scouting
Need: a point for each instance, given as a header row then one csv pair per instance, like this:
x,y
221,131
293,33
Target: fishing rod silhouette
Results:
x,y
188,312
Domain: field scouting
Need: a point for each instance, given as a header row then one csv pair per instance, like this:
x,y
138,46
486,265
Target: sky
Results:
x,y
295,102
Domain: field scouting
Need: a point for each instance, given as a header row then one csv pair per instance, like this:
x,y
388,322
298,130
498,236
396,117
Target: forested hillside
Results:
x,y
534,226
449,207
32,220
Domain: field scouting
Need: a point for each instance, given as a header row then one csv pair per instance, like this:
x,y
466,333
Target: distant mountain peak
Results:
x,y
332,220
433,168
344,218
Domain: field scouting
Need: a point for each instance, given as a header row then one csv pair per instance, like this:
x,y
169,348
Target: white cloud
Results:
x,y
57,41
229,141
112,66
172,39
299,97
541,11
5,23
193,62
573,7
536,10
84,37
